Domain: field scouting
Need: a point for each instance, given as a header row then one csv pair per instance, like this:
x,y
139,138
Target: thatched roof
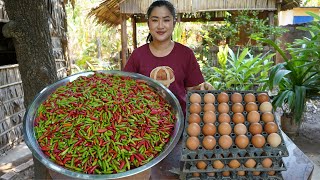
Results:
x,y
108,12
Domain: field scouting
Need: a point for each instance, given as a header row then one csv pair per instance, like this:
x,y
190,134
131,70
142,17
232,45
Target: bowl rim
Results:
x,y
31,142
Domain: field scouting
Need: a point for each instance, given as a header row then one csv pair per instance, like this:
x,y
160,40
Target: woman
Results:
x,y
164,60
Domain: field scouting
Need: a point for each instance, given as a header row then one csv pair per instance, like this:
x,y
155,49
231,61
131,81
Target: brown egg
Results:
x,y
250,163
224,128
237,108
236,98
192,143
193,129
209,117
226,173
271,173
196,174
234,164
274,139
265,107
195,108
217,164
209,107
238,118
223,97
209,98
267,117
223,108
241,173
262,97
253,117
195,98
249,97
242,141
224,117
209,142
255,128
258,141
267,163
201,165
256,173
251,106
210,174
225,141
240,129
271,127
194,118
209,129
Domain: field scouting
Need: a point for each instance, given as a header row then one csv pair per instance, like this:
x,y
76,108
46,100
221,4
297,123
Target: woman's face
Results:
x,y
161,24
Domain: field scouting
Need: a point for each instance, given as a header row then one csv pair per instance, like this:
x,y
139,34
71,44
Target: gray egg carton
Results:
x,y
233,152
233,175
277,165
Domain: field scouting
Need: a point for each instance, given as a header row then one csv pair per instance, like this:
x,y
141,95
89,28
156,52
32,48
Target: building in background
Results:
x,y
298,15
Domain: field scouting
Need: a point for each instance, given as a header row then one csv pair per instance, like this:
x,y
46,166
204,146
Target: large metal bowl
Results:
x,y
29,134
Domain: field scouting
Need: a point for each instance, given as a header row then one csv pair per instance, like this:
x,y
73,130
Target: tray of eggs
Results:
x,y
239,175
231,124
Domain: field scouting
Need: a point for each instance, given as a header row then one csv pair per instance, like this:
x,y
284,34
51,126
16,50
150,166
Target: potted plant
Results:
x,y
297,77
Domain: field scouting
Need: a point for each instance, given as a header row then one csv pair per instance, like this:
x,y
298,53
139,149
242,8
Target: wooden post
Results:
x,y
124,41
134,32
271,21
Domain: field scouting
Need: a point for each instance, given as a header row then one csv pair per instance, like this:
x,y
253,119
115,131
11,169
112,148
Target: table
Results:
x,y
299,166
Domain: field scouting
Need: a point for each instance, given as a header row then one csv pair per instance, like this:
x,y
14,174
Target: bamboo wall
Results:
x,y
58,28
11,107
187,6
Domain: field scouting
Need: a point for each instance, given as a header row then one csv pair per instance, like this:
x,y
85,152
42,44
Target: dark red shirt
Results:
x,y
177,71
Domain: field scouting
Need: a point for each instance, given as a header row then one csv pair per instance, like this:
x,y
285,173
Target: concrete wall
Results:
x,y
286,17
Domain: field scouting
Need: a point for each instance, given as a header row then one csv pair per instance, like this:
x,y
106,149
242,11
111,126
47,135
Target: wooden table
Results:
x,y
299,166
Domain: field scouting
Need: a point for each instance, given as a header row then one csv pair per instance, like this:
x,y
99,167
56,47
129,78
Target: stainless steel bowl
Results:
x,y
29,134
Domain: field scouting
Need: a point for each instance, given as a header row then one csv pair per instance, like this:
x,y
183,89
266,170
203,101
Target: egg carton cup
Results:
x,y
233,175
233,152
277,165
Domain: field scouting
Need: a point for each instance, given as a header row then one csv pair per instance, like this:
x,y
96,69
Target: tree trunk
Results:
x,y
29,29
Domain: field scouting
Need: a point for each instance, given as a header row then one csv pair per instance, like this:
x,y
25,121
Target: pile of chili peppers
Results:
x,y
103,124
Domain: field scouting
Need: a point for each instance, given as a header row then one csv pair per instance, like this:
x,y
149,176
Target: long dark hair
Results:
x,y
160,3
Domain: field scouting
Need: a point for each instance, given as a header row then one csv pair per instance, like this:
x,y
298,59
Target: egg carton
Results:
x,y
233,152
233,175
277,165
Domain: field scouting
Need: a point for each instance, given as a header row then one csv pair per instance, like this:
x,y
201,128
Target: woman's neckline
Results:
x,y
164,53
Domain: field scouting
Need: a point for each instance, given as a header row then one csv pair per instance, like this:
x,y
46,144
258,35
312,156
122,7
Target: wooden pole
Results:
x,y
134,31
124,41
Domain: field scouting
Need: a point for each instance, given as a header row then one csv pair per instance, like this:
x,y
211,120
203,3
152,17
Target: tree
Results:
x,y
29,29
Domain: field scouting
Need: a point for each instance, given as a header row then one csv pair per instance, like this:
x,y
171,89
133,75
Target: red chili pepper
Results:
x,y
122,163
45,148
102,130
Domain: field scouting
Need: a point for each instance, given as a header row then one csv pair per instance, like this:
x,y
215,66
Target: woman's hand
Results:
x,y
202,86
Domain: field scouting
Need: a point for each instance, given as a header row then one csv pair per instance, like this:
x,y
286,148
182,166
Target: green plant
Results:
x,y
247,21
299,75
241,71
